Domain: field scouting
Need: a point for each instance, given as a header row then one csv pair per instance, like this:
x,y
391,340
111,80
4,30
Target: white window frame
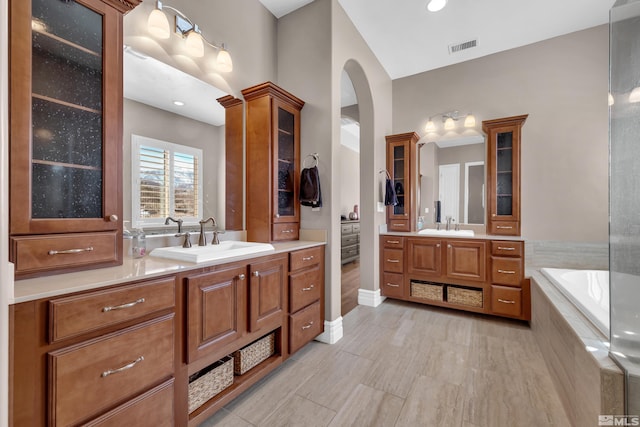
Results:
x,y
136,142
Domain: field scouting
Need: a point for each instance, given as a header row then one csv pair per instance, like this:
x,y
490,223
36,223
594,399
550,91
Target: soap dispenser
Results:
x,y
138,243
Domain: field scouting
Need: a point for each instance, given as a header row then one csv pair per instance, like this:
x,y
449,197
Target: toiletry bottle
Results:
x,y
420,222
138,243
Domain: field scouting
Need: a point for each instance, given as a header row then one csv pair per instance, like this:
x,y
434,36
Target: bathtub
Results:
x,y
588,290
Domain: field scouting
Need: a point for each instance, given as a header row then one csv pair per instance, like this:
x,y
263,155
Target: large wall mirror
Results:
x,y
452,171
164,103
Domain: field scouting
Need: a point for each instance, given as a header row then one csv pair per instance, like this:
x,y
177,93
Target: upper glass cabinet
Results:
x,y
402,168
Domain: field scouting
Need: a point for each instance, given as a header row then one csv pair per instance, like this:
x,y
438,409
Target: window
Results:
x,y
167,181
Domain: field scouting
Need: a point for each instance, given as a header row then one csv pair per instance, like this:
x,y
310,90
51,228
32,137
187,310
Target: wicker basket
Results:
x,y
462,296
430,291
210,381
248,357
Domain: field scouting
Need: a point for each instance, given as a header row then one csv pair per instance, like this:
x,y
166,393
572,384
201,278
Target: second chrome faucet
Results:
x,y
202,241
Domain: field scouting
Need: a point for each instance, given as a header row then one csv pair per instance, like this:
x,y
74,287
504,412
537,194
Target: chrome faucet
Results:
x,y
202,241
177,221
449,220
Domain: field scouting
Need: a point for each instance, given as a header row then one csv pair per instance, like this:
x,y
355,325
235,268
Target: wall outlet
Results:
x,y
426,210
380,207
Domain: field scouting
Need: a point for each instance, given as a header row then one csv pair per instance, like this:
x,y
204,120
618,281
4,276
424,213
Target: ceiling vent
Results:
x,y
455,48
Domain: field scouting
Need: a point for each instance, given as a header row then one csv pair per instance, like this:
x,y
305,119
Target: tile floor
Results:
x,y
404,364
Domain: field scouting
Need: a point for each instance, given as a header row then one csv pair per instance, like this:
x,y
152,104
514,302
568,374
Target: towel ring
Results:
x,y
385,171
314,157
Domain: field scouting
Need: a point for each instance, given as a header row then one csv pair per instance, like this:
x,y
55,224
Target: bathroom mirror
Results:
x,y
452,171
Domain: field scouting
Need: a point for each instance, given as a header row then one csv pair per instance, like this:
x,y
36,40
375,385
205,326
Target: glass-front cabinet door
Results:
x,y
66,114
287,159
402,169
503,174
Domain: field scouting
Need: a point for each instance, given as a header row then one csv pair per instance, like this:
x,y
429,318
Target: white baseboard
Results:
x,y
370,298
332,331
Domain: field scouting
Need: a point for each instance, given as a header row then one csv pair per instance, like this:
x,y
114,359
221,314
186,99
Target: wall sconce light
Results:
x,y
634,96
449,119
158,26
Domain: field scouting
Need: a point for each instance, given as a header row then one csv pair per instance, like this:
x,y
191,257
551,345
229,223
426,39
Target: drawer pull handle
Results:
x,y
395,261
308,289
506,271
124,368
393,242
506,301
71,251
393,285
500,248
506,227
121,306
307,258
308,325
286,231
396,224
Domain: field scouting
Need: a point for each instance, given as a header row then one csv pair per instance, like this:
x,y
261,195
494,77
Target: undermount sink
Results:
x,y
434,232
197,254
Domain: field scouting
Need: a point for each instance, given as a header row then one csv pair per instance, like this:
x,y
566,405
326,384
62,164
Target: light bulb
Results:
x,y
449,124
470,121
158,24
634,96
430,127
224,63
436,5
194,44
611,100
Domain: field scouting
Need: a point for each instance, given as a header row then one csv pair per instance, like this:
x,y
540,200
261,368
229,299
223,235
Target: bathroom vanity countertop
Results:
x,y
131,270
444,236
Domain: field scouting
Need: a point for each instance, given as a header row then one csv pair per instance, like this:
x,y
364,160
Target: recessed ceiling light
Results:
x,y
436,5
178,103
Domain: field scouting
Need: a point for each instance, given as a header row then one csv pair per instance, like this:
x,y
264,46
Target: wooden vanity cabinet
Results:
x,y
392,266
267,293
510,292
503,174
402,166
65,135
273,163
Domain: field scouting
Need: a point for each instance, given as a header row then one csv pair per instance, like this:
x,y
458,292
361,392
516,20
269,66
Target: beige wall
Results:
x,y
562,84
143,120
349,181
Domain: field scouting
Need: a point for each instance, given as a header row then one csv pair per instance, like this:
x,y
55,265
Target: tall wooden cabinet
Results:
x,y
503,174
65,134
402,167
273,163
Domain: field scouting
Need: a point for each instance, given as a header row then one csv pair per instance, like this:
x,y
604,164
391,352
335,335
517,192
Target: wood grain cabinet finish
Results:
x,y
234,154
402,169
79,314
91,377
506,301
466,260
504,137
267,297
65,135
507,271
425,257
273,159
304,287
216,313
392,266
304,325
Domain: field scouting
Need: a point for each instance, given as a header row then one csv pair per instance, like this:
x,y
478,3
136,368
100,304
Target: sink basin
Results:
x,y
199,254
434,232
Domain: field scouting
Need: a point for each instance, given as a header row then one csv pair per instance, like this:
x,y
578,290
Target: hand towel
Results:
x,y
390,197
310,194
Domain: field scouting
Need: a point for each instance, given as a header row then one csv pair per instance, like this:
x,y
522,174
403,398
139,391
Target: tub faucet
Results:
x,y
202,241
177,221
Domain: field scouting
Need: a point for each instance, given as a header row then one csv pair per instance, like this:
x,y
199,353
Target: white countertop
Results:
x,y
475,236
131,270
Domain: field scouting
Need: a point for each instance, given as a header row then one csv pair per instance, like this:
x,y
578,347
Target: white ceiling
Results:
x,y
407,39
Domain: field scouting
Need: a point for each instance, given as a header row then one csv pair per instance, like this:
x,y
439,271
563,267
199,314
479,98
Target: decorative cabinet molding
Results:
x,y
503,174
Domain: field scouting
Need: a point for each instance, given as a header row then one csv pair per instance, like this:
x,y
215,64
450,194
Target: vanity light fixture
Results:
x,y
449,119
436,5
158,26
634,96
611,101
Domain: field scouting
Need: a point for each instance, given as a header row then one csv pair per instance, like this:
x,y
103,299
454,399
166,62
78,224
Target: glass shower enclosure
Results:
x,y
624,194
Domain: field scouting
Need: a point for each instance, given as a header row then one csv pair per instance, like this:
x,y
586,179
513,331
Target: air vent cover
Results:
x,y
455,48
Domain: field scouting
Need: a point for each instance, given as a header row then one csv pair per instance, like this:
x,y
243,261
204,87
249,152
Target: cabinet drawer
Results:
x,y
33,254
392,284
346,228
350,251
392,242
356,228
506,271
305,258
393,260
286,231
507,301
88,378
153,408
399,225
504,228
507,248
75,315
349,240
304,288
304,326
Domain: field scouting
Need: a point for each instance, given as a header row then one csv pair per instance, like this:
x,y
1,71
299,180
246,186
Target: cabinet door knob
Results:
x,y
241,277
256,273
449,246
438,245
277,215
113,218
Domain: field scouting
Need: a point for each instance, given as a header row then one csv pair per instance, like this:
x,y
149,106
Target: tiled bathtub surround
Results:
x,y
588,381
579,255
